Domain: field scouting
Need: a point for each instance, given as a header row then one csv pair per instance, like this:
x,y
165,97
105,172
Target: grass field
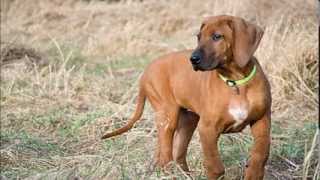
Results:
x,y
69,72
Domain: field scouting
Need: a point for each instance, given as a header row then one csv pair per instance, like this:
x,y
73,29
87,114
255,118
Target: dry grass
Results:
x,y
69,72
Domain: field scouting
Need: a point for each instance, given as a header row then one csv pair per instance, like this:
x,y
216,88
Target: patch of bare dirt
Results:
x,y
11,54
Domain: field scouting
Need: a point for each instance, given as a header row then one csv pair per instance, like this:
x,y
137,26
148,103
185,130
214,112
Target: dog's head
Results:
x,y
225,39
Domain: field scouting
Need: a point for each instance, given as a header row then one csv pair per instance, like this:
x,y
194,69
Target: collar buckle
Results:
x,y
231,83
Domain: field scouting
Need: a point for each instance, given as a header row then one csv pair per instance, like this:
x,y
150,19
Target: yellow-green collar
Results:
x,y
232,83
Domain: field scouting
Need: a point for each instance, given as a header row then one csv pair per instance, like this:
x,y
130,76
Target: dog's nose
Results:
x,y
195,57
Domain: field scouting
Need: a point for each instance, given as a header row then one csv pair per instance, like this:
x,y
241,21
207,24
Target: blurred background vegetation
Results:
x,y
69,72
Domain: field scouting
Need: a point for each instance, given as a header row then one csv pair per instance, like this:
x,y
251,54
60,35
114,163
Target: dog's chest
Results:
x,y
238,111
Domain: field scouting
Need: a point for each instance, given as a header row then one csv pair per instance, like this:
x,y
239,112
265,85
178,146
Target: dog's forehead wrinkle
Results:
x,y
219,27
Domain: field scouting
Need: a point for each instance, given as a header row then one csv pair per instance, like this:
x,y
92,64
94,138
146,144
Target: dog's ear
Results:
x,y
246,38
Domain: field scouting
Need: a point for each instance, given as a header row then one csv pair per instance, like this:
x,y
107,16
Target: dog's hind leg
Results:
x,y
166,121
166,116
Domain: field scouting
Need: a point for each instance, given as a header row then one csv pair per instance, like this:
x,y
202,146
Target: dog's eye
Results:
x,y
217,37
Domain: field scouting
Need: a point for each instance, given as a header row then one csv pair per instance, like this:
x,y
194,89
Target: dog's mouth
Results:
x,y
212,66
196,68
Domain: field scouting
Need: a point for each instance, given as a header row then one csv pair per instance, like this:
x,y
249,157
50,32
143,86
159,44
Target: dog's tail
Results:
x,y
136,116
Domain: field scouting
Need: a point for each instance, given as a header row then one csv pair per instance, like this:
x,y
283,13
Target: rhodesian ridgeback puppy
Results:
x,y
219,87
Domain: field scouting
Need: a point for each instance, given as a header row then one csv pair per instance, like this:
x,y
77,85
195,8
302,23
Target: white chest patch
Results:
x,y
239,112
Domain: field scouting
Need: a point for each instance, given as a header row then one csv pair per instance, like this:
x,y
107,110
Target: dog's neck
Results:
x,y
233,72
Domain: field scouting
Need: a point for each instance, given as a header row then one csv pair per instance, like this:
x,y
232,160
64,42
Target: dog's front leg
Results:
x,y
260,150
209,136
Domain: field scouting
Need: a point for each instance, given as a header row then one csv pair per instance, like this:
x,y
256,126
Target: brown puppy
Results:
x,y
185,98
